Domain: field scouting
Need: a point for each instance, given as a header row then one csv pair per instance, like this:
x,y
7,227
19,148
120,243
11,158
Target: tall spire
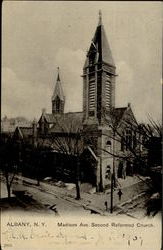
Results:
x,y
58,98
100,42
100,18
99,78
58,78
58,91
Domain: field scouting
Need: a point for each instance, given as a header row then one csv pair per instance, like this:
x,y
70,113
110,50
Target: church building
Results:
x,y
102,126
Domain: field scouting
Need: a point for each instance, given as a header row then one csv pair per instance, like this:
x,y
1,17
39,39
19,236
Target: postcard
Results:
x,y
81,127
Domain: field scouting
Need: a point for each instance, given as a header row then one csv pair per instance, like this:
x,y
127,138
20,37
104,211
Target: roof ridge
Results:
x,y
71,112
121,107
23,127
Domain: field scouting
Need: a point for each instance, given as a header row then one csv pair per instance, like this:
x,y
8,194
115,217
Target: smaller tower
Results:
x,y
58,99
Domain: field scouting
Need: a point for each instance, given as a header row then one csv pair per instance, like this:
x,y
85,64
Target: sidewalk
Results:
x,y
131,187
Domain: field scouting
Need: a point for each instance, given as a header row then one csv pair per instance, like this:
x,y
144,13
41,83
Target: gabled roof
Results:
x,y
10,124
26,131
101,46
58,91
119,112
23,132
124,114
70,122
50,118
116,115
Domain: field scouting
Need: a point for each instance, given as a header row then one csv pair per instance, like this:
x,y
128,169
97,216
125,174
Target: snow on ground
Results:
x,y
61,200
4,193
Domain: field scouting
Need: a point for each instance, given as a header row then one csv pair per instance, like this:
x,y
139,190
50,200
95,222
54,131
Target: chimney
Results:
x,y
129,105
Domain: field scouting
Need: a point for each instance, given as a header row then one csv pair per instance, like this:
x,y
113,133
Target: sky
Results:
x,y
39,36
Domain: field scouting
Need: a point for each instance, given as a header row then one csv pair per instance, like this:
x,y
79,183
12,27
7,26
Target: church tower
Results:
x,y
58,99
99,74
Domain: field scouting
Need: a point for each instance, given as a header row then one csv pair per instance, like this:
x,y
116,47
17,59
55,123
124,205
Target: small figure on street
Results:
x,y
106,205
119,194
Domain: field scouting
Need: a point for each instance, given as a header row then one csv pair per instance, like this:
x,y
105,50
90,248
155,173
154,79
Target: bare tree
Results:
x,y
135,139
9,154
66,139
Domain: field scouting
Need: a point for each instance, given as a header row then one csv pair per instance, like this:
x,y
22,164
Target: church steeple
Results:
x,y
100,18
99,45
99,73
58,77
58,99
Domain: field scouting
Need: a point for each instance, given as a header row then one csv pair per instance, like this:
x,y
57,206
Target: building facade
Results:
x,y
101,125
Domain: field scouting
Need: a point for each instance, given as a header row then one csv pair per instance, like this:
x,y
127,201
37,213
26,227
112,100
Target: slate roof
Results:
x,y
10,124
50,118
123,114
58,91
68,122
26,131
100,43
73,121
118,113
23,132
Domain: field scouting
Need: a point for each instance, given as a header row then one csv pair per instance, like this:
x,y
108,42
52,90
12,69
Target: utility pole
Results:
x,y
112,176
111,194
78,179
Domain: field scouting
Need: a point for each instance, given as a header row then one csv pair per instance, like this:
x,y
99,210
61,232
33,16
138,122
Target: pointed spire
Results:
x,y
100,18
100,41
58,91
58,77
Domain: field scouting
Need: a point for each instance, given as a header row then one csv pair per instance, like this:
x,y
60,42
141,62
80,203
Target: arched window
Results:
x,y
108,143
128,139
57,104
108,172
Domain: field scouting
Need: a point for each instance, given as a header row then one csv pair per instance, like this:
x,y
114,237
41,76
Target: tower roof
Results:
x,y
58,91
100,45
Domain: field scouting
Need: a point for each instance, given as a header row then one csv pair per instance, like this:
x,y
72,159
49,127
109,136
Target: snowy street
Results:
x,y
61,201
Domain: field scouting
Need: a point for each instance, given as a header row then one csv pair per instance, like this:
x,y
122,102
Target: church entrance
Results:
x,y
120,170
88,168
129,169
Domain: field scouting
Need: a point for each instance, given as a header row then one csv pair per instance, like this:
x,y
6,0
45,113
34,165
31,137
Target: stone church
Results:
x,y
102,125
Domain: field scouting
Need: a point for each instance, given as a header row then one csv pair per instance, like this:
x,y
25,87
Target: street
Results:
x,y
61,202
